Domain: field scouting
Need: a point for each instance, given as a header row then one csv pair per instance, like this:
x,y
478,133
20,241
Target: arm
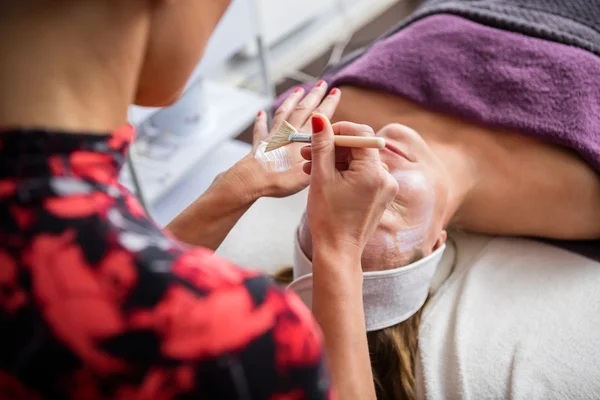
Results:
x,y
338,308
349,192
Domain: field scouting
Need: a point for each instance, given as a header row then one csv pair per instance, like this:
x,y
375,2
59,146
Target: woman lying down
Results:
x,y
489,130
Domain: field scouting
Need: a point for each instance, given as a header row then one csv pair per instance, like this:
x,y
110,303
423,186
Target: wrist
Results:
x,y
335,258
239,185
226,198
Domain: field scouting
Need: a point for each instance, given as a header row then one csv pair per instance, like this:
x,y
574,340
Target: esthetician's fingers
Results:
x,y
261,131
341,158
346,128
326,108
307,106
323,151
342,128
341,153
287,107
340,166
351,129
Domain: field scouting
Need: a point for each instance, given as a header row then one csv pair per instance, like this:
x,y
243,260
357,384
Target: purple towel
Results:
x,y
492,77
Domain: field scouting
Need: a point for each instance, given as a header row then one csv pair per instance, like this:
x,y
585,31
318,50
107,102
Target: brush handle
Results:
x,y
344,141
360,142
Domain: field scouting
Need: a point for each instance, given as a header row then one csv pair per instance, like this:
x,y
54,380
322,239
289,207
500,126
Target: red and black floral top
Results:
x,y
96,302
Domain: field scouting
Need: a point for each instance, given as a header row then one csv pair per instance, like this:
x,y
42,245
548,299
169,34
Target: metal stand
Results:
x,y
263,54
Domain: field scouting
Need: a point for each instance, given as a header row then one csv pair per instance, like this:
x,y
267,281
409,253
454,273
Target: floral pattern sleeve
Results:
x,y
96,302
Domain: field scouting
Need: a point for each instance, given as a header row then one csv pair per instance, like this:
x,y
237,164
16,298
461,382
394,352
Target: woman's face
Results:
x,y
178,33
412,226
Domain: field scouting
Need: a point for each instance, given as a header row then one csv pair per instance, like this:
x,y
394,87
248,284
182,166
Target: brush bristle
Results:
x,y
281,136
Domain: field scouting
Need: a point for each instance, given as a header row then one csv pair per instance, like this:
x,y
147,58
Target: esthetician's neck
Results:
x,y
62,74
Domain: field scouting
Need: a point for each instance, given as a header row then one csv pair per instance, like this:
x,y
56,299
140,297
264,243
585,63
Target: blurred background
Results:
x,y
259,50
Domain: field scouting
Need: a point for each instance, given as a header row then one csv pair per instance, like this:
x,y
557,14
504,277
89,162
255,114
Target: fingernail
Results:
x,y
320,83
333,91
298,90
317,124
259,113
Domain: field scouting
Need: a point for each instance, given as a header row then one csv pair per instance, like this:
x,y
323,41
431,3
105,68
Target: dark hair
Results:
x,y
393,353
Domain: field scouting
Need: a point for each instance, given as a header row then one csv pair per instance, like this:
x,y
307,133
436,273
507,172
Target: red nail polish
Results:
x,y
259,113
320,83
298,90
333,91
317,124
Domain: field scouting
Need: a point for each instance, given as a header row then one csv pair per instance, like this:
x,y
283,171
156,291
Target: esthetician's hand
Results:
x,y
350,188
208,220
257,176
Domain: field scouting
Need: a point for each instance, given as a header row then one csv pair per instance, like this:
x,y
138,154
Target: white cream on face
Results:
x,y
413,185
410,238
278,160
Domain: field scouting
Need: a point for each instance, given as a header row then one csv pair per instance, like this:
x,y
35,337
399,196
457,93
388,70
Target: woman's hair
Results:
x,y
393,352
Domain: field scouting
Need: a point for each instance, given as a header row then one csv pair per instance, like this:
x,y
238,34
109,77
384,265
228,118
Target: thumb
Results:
x,y
322,147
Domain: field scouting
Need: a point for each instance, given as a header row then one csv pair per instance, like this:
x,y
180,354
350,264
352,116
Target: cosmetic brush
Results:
x,y
287,134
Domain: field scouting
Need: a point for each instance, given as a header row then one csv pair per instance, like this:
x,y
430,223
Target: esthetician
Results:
x,y
97,302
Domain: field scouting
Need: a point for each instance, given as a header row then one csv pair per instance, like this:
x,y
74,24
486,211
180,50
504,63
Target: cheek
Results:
x,y
413,183
407,226
399,238
386,250
416,198
394,161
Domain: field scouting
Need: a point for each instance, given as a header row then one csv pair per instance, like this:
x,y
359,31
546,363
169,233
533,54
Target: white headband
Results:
x,y
389,297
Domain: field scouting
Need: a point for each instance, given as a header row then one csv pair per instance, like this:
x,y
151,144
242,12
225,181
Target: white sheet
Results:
x,y
517,319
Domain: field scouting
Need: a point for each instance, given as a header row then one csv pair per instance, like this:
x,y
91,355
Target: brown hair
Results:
x,y
393,352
